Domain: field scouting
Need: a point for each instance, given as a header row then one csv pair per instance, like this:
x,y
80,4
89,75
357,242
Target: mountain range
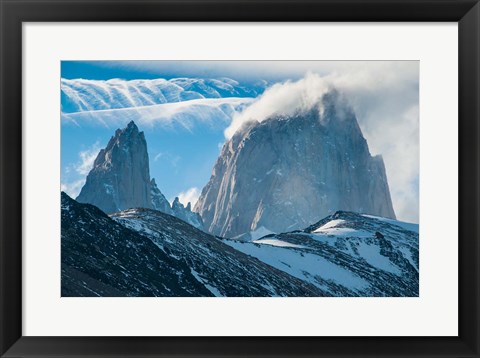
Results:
x,y
296,206
144,252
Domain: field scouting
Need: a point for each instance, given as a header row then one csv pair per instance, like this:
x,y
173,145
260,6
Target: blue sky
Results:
x,y
244,71
183,149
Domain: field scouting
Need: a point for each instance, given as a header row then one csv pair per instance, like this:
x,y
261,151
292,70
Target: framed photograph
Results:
x,y
239,178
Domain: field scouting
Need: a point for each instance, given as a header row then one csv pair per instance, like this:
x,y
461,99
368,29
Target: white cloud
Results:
x,y
398,142
75,174
189,196
184,115
73,188
87,158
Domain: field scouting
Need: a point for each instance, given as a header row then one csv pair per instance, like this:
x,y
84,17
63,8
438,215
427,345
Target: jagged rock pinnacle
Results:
x,y
120,178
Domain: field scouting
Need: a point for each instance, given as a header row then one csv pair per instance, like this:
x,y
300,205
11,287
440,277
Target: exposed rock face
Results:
x,y
120,178
286,173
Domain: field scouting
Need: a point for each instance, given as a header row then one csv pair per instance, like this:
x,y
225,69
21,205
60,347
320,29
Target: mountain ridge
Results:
x,y
346,254
100,257
222,269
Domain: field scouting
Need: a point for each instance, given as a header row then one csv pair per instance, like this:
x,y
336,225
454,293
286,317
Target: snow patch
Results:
x,y
279,243
212,289
330,224
305,266
371,254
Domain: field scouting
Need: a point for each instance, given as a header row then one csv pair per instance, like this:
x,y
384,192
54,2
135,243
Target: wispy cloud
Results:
x,y
73,188
74,175
87,158
182,115
189,196
171,158
158,156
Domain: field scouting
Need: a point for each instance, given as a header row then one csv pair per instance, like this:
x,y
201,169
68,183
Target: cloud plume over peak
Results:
x,y
385,99
283,99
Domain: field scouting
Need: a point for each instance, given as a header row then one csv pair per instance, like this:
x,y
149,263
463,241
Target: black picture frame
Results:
x,y
15,12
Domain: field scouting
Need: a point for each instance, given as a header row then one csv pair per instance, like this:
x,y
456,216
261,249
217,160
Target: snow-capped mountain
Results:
x,y
120,179
289,171
103,258
223,270
80,95
346,254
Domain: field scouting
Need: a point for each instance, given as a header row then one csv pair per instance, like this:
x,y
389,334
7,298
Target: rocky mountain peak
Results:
x,y
120,177
186,214
289,171
177,204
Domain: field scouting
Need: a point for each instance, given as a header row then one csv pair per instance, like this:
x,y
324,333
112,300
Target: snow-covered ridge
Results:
x,y
80,95
345,254
184,114
222,270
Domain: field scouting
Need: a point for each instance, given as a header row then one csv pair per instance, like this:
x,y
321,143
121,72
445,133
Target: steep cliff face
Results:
x,y
120,178
288,172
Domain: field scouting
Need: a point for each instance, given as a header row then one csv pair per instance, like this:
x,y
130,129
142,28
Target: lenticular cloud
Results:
x,y
80,95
